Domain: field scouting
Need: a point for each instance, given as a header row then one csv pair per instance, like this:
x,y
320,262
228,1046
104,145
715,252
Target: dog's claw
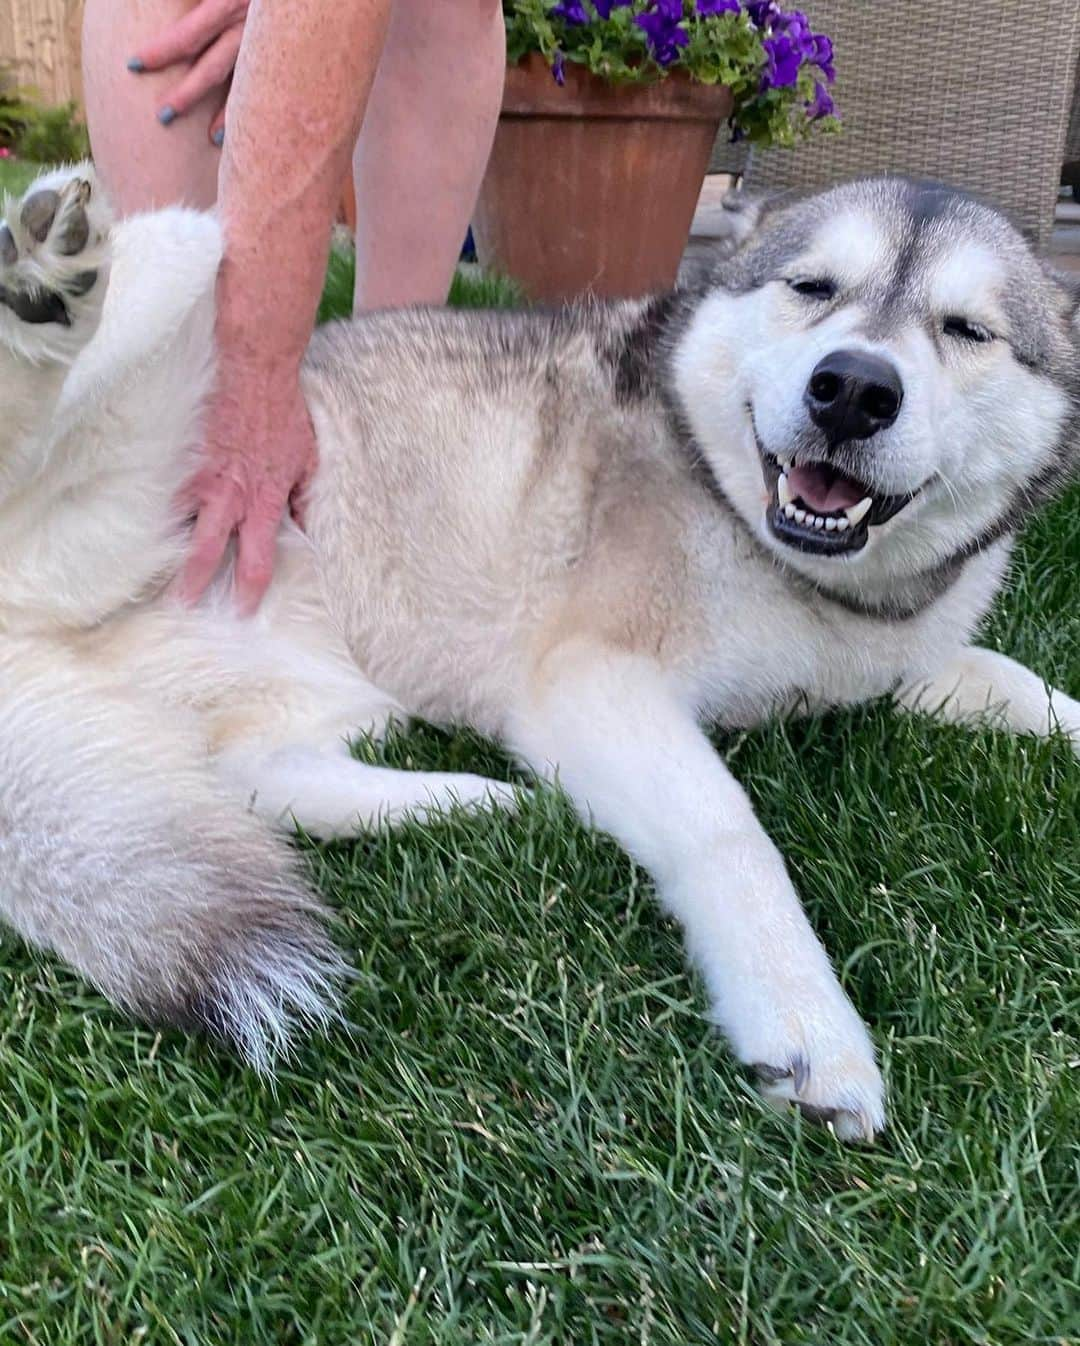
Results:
x,y
798,1072
849,1124
38,213
812,1113
785,1086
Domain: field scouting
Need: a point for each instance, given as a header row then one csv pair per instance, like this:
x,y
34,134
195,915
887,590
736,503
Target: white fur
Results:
x,y
191,719
585,600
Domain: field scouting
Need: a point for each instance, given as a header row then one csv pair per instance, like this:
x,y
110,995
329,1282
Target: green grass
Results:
x,y
527,1133
470,288
16,175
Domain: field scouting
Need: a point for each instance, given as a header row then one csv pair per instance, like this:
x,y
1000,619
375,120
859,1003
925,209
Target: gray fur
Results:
x,y
565,529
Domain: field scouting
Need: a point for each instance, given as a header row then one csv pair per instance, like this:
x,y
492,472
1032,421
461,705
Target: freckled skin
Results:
x,y
298,98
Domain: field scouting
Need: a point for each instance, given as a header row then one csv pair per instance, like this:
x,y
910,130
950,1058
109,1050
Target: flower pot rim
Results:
x,y
530,91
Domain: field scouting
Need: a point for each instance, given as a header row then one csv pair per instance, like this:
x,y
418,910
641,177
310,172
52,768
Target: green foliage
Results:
x,y
15,176
54,135
724,49
36,132
16,109
470,287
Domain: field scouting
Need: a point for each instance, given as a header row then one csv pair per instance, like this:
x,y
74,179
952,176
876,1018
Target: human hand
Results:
x,y
206,39
259,455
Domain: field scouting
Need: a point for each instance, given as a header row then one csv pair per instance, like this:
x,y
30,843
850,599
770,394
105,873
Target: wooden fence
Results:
x,y
39,45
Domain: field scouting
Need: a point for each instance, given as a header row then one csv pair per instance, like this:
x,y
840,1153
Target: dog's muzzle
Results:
x,y
815,507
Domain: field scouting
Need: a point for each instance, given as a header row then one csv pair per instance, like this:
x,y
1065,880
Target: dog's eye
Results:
x,y
814,288
963,330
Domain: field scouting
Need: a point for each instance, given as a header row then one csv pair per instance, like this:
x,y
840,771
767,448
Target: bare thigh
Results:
x,y
142,163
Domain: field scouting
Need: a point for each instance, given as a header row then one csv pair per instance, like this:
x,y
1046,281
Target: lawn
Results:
x,y
16,175
527,1133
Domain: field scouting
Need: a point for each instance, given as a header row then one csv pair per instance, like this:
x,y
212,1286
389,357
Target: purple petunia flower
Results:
x,y
784,60
821,105
796,28
762,12
604,7
822,55
707,8
558,68
573,11
664,35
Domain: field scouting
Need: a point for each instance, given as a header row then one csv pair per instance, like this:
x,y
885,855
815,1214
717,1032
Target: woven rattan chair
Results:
x,y
976,95
1071,170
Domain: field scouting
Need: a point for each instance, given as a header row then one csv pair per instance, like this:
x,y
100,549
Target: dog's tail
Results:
x,y
118,852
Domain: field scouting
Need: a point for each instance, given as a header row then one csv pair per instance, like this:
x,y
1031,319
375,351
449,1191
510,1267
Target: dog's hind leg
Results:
x,y
54,251
281,746
327,793
633,759
983,687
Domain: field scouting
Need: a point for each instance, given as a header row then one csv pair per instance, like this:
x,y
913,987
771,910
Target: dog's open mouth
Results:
x,y
819,509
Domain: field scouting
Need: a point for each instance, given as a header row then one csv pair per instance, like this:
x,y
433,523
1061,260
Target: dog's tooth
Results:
x,y
856,513
830,523
819,522
789,510
783,490
842,523
800,516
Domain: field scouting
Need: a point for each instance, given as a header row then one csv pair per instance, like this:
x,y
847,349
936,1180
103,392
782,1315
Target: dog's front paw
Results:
x,y
53,250
811,1050
838,1088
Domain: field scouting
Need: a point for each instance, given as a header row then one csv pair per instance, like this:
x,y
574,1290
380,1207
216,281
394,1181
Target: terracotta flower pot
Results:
x,y
592,186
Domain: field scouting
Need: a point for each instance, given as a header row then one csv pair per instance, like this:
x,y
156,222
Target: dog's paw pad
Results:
x,y
59,218
36,306
52,253
81,284
38,213
72,233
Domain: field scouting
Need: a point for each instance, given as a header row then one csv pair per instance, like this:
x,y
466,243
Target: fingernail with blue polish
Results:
x,y
167,115
136,66
219,137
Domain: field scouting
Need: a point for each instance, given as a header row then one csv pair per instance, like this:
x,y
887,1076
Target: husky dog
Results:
x,y
586,533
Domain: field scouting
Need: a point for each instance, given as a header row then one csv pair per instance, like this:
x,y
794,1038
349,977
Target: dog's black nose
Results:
x,y
853,395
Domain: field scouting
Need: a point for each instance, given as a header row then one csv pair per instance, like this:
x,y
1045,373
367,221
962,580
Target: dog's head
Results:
x,y
879,377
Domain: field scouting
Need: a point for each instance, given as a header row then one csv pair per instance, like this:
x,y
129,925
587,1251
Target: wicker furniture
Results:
x,y
977,95
1071,170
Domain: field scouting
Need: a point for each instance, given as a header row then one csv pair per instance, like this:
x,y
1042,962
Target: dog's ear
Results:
x,y
1067,285
742,217
1068,282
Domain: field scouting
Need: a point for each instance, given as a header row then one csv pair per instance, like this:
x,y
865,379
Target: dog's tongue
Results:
x,y
824,489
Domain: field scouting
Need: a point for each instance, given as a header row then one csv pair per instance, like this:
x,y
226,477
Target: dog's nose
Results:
x,y
853,395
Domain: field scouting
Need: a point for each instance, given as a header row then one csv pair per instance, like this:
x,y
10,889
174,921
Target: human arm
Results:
x,y
299,92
